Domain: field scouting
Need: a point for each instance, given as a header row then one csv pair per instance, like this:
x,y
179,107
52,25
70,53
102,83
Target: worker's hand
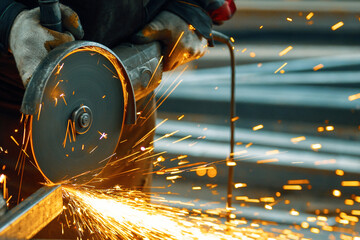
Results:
x,y
30,42
181,42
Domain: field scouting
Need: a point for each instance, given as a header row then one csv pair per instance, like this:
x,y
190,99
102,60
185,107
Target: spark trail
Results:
x,y
122,214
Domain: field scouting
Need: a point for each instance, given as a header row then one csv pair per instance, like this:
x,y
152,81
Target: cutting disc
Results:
x,y
79,121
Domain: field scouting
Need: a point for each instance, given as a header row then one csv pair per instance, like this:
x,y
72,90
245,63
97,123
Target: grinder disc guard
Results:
x,y
79,120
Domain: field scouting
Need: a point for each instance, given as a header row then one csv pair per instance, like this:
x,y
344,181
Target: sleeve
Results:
x,y
9,9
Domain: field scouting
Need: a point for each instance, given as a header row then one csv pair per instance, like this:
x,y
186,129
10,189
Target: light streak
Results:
x,y
298,139
349,202
176,43
318,67
337,26
267,161
354,97
102,135
258,127
285,51
339,172
40,107
289,19
300,181
240,185
12,138
292,187
182,139
282,66
152,76
350,183
181,117
63,97
316,146
309,16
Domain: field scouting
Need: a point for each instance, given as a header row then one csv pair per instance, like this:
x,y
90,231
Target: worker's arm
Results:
x,y
184,28
29,42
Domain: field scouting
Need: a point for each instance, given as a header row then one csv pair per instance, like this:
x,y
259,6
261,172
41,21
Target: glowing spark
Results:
x,y
339,172
316,146
289,19
282,66
102,135
267,199
337,26
267,161
350,183
196,188
318,67
153,74
182,139
355,212
40,107
252,54
239,185
268,207
181,117
103,96
173,177
230,163
63,97
329,128
177,42
93,149
59,69
261,27
12,138
248,145
258,127
300,181
305,225
191,27
315,230
294,212
309,16
336,193
285,51
234,119
292,187
349,202
354,97
273,152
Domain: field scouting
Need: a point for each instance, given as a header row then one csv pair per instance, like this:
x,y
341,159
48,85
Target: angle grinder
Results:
x,y
80,98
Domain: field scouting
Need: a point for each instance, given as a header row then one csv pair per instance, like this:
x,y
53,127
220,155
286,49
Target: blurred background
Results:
x,y
297,125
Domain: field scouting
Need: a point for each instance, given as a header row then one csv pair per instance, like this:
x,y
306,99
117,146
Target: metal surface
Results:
x,y
33,214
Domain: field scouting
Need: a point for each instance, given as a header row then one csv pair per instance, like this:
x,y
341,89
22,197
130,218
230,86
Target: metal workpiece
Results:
x,y
33,214
143,66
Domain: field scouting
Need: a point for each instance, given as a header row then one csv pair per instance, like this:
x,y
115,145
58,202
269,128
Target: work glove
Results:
x,y
30,42
181,41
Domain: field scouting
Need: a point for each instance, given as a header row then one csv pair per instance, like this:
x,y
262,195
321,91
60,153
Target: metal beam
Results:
x,y
33,214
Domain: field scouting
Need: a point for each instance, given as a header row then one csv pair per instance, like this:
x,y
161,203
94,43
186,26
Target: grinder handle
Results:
x,y
50,14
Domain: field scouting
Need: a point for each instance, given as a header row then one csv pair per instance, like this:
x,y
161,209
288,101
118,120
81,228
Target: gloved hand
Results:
x,y
181,42
30,42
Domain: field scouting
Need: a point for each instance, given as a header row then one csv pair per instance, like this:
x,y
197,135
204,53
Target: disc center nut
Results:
x,y
82,118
